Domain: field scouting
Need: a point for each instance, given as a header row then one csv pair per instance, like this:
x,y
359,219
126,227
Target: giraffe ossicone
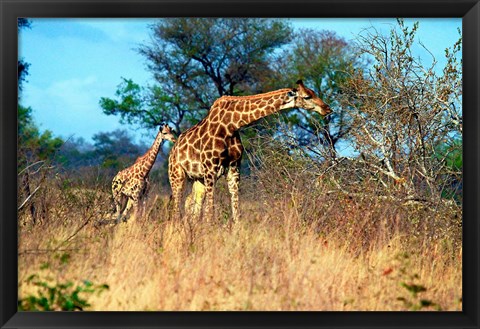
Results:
x,y
213,147
130,184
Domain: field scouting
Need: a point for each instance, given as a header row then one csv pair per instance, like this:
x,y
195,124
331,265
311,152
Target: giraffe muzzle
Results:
x,y
327,110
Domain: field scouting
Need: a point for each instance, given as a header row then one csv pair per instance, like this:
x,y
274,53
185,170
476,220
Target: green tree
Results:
x,y
135,105
115,150
325,62
34,148
76,153
449,154
34,151
194,61
33,145
22,66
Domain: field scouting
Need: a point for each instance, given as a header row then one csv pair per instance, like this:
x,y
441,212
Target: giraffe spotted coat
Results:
x,y
130,184
213,147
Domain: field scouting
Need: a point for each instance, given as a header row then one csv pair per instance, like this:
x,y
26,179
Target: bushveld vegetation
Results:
x,y
299,246
359,211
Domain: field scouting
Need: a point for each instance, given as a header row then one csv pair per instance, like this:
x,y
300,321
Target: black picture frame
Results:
x,y
468,10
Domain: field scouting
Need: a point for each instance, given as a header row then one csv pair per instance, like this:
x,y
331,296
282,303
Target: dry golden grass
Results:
x,y
297,251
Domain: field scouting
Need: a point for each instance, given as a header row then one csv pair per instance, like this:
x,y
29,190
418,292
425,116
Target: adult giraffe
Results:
x,y
213,147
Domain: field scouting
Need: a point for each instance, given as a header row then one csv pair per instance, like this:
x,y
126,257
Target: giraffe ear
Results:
x,y
165,129
292,93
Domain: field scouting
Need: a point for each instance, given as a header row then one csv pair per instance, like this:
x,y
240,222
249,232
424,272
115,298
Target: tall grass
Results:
x,y
296,247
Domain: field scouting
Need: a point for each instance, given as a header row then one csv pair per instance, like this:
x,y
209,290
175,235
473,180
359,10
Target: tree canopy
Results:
x,y
194,61
325,62
22,65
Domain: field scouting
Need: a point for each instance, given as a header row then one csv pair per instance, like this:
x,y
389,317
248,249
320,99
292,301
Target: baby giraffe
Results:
x,y
130,184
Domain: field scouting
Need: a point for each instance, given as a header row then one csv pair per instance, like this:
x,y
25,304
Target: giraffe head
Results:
x,y
167,133
306,98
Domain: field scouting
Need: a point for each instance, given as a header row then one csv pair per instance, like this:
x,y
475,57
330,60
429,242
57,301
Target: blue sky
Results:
x,y
75,62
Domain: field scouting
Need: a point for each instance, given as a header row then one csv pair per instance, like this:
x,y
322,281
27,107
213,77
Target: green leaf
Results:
x,y
413,288
43,302
31,277
68,306
426,303
44,266
65,258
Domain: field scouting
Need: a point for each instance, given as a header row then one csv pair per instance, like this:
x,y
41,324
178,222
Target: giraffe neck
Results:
x,y
242,110
148,159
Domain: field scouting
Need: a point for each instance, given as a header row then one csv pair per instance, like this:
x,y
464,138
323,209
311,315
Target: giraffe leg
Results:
x,y
145,189
233,179
119,198
209,181
195,199
120,203
235,151
141,198
118,212
177,181
132,202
